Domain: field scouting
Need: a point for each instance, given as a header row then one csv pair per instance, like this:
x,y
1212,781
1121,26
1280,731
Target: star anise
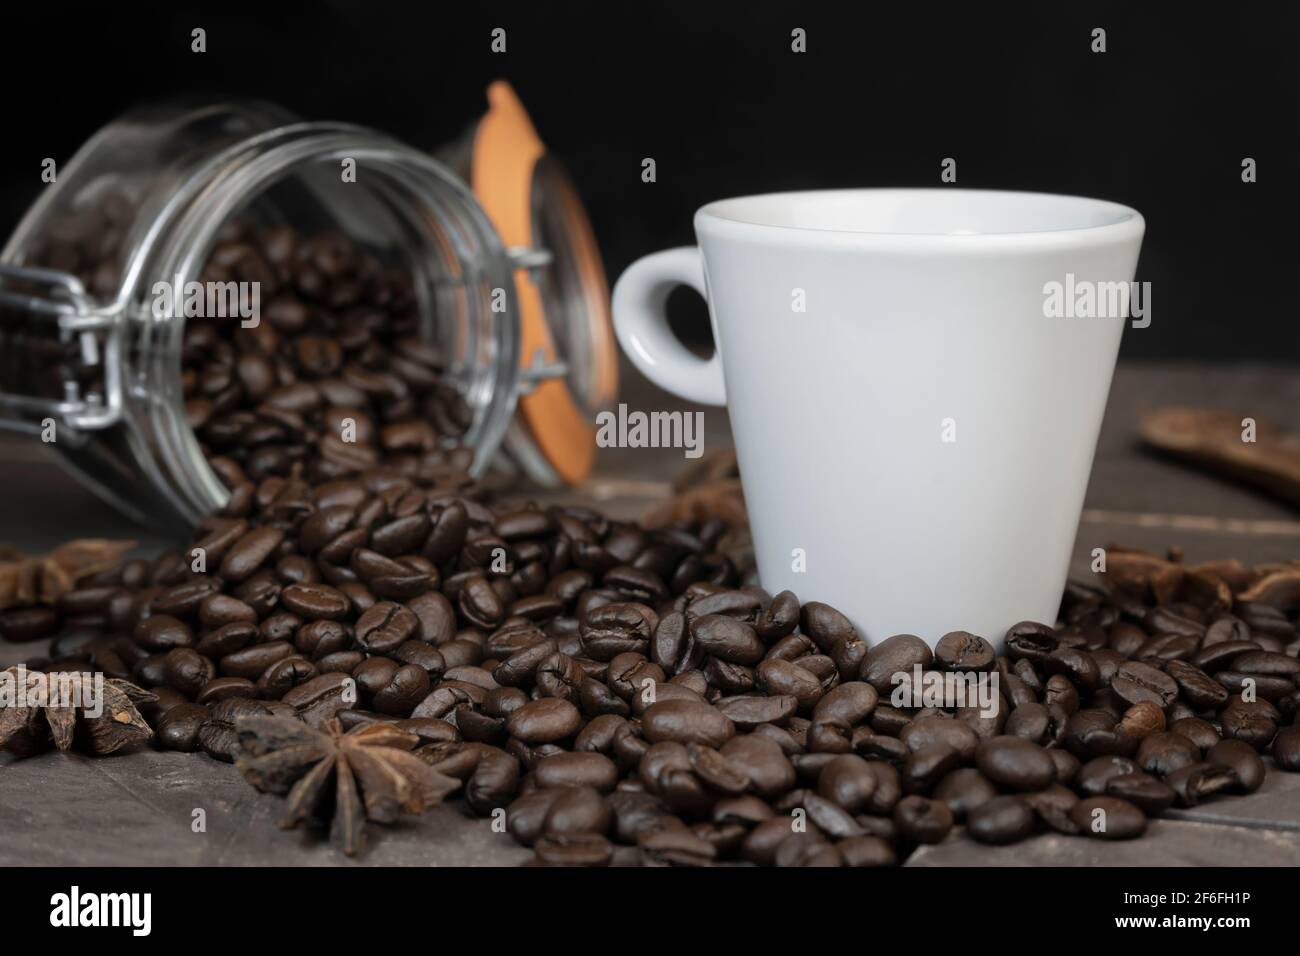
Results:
x,y
96,714
43,579
373,773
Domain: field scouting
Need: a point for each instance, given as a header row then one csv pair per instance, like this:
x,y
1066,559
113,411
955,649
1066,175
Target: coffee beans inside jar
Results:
x,y
334,379
612,686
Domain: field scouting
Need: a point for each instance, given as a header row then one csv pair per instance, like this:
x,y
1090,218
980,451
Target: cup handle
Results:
x,y
641,324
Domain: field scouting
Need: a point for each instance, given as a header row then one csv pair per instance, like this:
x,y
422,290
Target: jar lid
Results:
x,y
569,360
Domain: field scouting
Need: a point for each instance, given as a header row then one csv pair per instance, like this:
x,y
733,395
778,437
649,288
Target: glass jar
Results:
x,y
87,358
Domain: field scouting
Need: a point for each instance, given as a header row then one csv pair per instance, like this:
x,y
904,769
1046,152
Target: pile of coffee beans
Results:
x,y
609,685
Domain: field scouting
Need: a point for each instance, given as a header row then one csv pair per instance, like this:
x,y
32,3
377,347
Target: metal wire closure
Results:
x,y
62,298
539,370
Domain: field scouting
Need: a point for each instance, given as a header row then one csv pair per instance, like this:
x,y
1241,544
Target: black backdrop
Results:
x,y
713,92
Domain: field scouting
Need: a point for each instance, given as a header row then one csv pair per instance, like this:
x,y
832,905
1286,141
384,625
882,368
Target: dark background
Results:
x,y
712,92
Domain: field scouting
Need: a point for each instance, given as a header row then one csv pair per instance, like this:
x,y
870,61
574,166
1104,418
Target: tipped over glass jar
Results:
x,y
211,289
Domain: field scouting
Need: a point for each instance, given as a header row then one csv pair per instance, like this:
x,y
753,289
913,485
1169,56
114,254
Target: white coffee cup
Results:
x,y
914,430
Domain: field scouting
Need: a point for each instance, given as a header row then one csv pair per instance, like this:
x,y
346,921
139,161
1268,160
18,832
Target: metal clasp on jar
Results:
x,y
539,370
60,298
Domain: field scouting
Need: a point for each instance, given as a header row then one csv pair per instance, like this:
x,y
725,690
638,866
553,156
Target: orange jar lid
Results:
x,y
569,359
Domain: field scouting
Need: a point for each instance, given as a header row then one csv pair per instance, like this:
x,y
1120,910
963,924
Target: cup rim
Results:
x,y
717,218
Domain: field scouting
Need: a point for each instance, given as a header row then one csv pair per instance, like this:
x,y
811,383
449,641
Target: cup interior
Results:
x,y
921,212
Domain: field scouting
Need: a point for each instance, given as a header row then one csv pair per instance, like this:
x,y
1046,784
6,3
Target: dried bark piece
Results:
x,y
715,465
1279,589
42,579
374,774
1213,440
706,489
1206,590
1232,572
1143,574
721,498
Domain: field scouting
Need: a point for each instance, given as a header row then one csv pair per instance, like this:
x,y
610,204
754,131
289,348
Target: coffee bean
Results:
x,y
1091,732
1000,820
1147,793
749,712
728,639
686,721
1254,723
1197,731
162,632
1193,783
1060,692
217,610
825,625
784,678
1067,765
1163,753
1096,774
526,816
1286,748
848,704
577,770
248,553
20,624
848,781
574,849
1141,720
1031,641
544,721
1136,681
1076,665
895,655
716,771
179,727
1015,763
1108,818
217,734
617,628
927,766
252,661
961,651
964,789
1242,760
888,789
1198,688
746,811
222,688
315,601
578,810
674,846
769,770
780,618
187,671
1037,723
923,821
1218,656
385,626
1053,806
926,731
319,699
284,674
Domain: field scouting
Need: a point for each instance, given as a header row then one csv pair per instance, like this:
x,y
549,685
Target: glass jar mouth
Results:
x,y
573,288
428,202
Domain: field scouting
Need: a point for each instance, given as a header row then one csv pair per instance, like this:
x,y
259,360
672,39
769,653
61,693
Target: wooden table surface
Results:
x,y
138,808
